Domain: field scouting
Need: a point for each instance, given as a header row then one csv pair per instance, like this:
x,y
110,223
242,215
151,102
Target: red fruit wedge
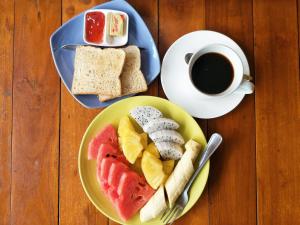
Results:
x,y
107,135
102,172
133,192
110,154
115,173
112,194
109,151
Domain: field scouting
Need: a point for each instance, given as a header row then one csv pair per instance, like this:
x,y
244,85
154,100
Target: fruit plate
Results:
x,y
71,33
189,129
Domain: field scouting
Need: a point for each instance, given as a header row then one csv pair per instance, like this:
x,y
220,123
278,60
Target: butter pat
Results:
x,y
116,24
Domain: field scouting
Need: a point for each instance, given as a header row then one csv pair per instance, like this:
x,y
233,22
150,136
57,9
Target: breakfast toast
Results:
x,y
97,71
132,79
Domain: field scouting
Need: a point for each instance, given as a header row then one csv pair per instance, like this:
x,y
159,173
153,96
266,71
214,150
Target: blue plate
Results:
x,y
71,33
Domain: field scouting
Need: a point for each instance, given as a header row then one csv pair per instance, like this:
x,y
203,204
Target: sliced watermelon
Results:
x,y
112,194
110,154
104,169
107,135
133,192
115,173
109,151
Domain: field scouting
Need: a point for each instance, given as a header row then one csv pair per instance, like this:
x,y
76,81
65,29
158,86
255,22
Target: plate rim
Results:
x,y
80,155
110,102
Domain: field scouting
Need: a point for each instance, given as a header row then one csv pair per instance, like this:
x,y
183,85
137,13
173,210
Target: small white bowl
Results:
x,y
109,41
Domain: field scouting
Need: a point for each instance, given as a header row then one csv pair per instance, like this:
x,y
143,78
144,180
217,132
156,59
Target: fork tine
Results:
x,y
172,218
170,215
166,213
171,221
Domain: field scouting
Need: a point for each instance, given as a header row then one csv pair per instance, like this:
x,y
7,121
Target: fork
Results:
x,y
170,215
74,46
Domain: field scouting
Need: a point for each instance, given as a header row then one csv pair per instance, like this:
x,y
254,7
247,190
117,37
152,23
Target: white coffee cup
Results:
x,y
240,83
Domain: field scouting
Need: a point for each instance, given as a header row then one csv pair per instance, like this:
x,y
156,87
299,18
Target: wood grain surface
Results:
x,y
35,138
150,11
74,121
254,176
232,181
277,112
6,77
172,25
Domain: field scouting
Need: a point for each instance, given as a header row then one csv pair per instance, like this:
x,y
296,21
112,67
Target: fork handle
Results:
x,y
212,145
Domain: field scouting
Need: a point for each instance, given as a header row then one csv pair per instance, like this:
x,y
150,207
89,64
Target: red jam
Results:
x,y
94,27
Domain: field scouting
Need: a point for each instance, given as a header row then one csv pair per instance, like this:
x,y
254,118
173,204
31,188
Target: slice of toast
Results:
x,y
132,78
97,71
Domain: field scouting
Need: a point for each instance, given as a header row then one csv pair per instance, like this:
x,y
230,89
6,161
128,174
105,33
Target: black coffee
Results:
x,y
212,73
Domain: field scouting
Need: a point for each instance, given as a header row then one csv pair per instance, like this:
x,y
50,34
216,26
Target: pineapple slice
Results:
x,y
125,126
131,134
137,166
153,150
144,139
168,166
152,168
132,147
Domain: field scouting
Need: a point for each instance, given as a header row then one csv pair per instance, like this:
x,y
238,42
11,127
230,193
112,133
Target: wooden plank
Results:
x,y
35,142
232,183
177,18
6,74
74,121
277,111
149,12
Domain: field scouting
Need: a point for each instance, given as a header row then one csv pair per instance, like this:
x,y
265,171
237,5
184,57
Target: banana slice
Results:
x,y
167,135
182,172
155,206
177,180
192,150
143,114
174,185
160,124
169,150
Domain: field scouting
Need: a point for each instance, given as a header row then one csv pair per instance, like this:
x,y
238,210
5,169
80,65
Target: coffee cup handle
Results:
x,y
246,87
188,57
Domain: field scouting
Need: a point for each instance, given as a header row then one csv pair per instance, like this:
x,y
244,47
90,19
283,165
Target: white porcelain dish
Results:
x,y
108,41
175,78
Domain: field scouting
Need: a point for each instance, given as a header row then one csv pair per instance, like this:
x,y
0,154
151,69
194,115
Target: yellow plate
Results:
x,y
112,114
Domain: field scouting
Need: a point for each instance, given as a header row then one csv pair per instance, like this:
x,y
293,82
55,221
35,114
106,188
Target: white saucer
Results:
x,y
174,75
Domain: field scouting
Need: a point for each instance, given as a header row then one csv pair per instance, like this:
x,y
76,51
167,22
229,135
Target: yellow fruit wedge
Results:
x,y
153,150
144,139
131,148
168,166
140,155
137,166
125,126
131,134
152,168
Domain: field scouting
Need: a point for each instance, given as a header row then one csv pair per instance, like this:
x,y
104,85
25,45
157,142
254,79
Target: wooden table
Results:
x,y
254,178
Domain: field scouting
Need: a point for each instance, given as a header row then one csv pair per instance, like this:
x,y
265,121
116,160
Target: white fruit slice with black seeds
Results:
x,y
143,114
160,124
169,150
167,135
